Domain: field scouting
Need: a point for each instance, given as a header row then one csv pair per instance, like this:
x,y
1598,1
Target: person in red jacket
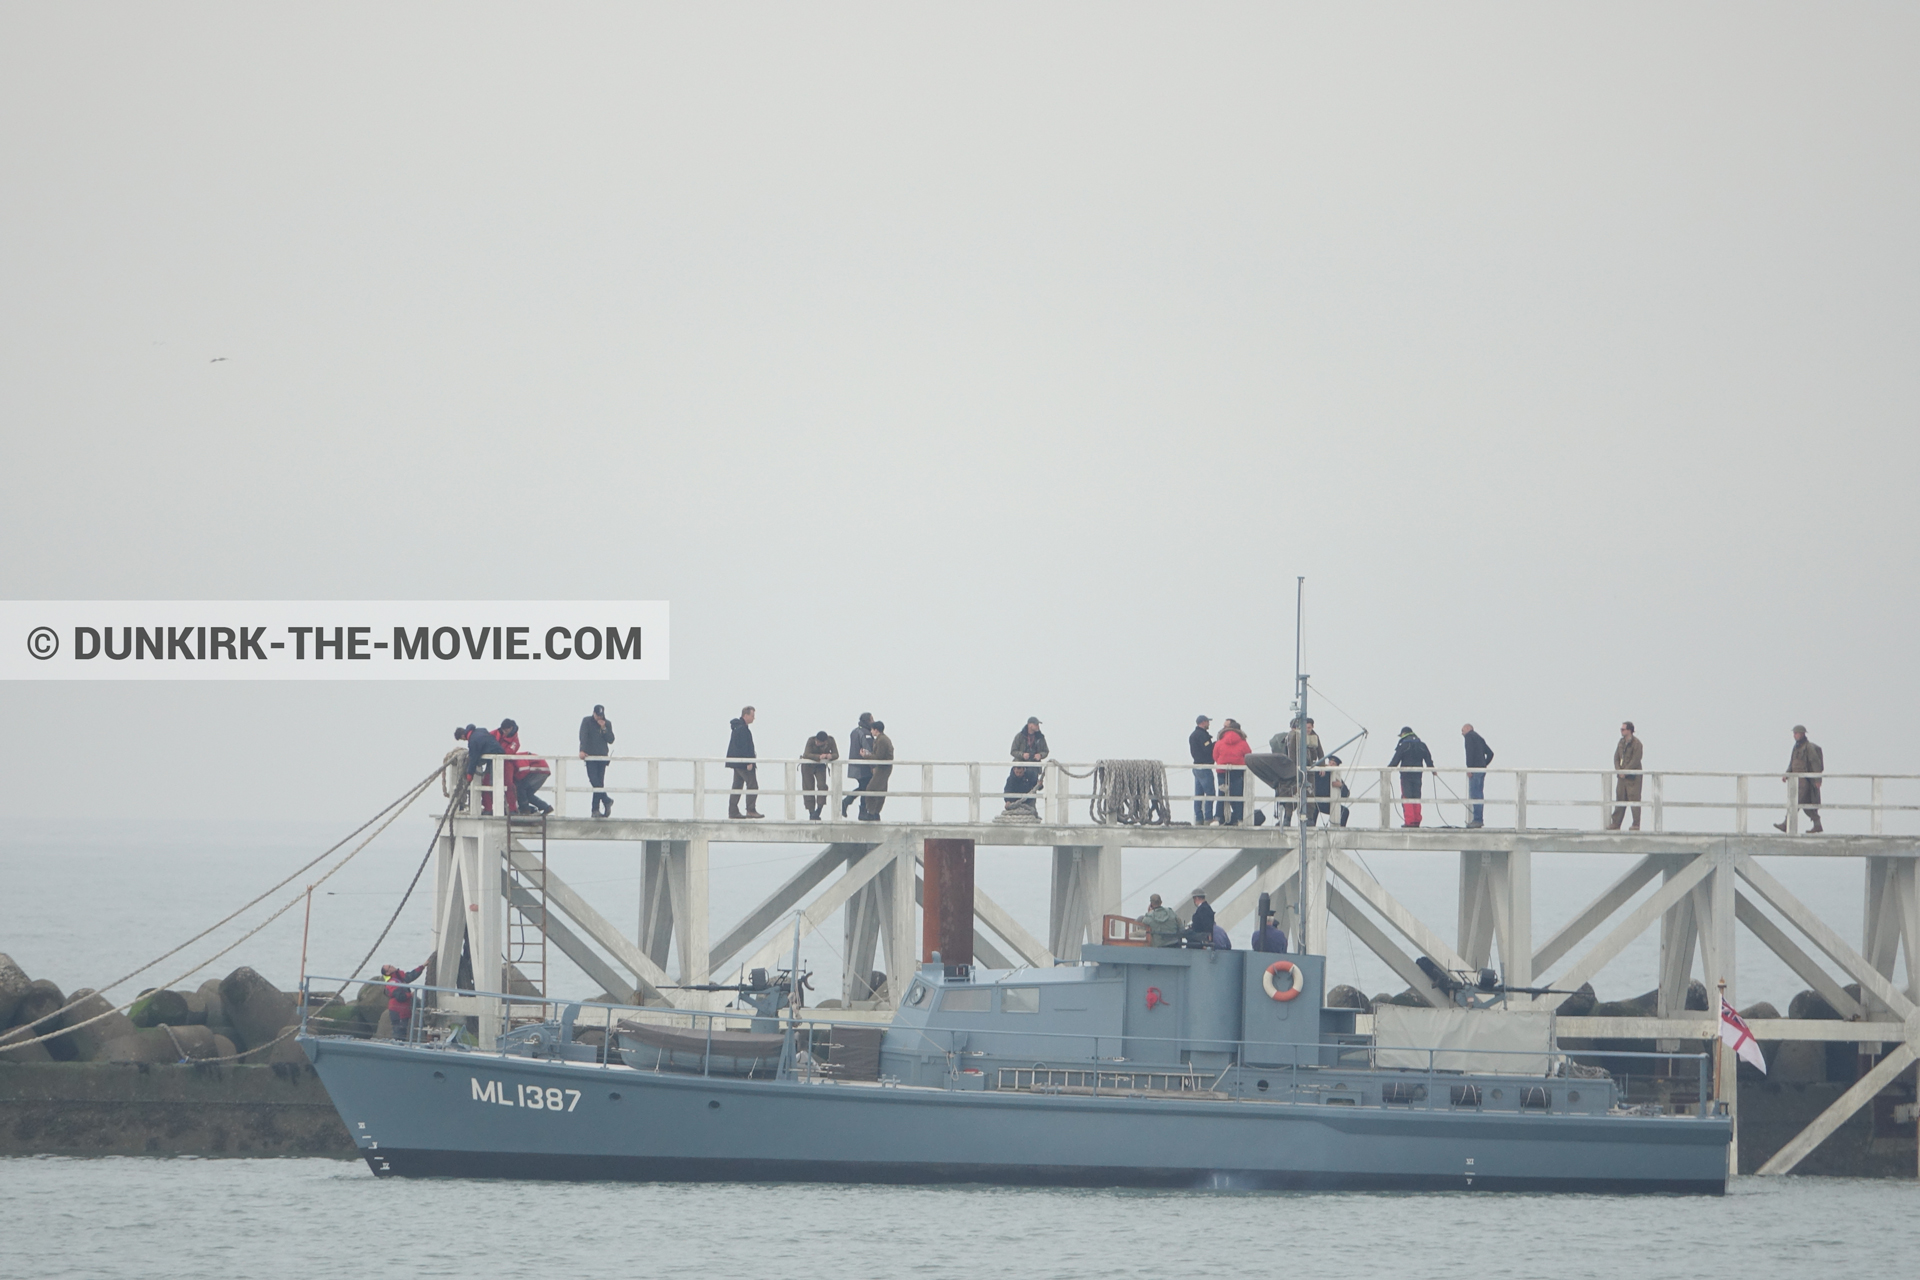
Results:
x,y
523,777
400,996
1230,757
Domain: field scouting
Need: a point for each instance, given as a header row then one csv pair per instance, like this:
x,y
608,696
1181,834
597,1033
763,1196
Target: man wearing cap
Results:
x,y
1200,747
1029,745
596,735
1200,924
1807,759
820,750
1163,926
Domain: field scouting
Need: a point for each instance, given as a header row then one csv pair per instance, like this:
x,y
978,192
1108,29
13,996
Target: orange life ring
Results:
x,y
1282,966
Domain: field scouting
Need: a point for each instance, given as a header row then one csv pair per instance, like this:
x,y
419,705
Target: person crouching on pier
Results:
x,y
596,735
746,776
821,750
400,996
524,777
874,798
481,744
1410,751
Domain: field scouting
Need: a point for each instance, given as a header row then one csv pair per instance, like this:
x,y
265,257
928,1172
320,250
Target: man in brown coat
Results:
x,y
1807,758
820,751
1626,786
882,749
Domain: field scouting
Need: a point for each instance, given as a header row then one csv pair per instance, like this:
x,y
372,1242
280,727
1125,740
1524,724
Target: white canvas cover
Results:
x,y
1477,1040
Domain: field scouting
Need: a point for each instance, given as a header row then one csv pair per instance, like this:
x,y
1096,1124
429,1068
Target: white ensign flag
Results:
x,y
1734,1033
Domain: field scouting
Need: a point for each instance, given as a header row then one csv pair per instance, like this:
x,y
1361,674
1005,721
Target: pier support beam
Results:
x,y
1086,886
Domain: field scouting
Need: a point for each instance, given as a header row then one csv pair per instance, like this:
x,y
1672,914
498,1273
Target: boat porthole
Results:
x,y
1496,1095
713,1104
613,1097
1261,1085
439,1075
1574,1096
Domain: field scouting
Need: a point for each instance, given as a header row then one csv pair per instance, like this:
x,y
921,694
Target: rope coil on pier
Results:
x,y
1131,792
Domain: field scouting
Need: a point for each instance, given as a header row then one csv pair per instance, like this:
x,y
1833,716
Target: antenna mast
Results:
x,y
1300,780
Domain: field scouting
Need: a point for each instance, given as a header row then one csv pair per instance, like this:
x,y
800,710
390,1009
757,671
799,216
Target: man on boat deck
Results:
x,y
1200,925
1163,926
400,996
1270,937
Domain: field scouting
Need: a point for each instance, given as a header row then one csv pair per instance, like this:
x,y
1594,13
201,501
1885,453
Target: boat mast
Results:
x,y
1300,780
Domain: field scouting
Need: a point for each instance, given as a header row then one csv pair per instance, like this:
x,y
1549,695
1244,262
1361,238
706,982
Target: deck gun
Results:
x,y
1477,990
767,993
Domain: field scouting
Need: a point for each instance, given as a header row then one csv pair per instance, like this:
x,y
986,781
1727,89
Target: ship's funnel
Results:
x,y
947,898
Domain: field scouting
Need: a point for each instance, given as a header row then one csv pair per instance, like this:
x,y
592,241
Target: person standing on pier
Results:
x,y
1479,756
1626,783
1030,745
1410,751
1807,758
1229,761
596,735
859,747
1330,782
740,758
1200,747
875,791
820,751
1298,738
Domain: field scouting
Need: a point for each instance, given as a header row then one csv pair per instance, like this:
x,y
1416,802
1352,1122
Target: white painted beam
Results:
x,y
1596,913
1862,1092
1822,936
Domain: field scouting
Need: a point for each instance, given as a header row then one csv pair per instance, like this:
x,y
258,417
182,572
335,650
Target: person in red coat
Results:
x,y
1230,753
400,996
524,777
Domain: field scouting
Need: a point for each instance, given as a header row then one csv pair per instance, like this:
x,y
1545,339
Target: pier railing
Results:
x,y
954,792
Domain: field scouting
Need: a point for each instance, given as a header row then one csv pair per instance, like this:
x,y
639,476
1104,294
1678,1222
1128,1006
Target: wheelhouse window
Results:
x,y
1019,999
967,1000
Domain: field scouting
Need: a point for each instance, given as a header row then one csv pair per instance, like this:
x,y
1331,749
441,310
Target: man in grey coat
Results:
x,y
1806,759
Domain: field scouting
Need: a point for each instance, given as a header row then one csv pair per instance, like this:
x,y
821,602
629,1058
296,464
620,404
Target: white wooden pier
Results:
x,y
1705,839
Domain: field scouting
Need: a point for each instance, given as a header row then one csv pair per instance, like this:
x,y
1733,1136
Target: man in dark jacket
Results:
x,y
740,758
596,735
480,744
1200,747
1806,759
1479,756
1410,752
1270,937
1029,745
874,795
859,748
1200,924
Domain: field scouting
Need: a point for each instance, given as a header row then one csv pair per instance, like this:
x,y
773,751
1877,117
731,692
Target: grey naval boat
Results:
x,y
1138,1066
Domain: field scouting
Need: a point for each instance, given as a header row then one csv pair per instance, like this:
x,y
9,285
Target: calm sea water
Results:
x,y
160,1218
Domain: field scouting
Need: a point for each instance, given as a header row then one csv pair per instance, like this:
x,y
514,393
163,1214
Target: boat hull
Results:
x,y
438,1113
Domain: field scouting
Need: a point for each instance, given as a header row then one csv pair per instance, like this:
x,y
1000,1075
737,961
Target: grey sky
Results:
x,y
964,363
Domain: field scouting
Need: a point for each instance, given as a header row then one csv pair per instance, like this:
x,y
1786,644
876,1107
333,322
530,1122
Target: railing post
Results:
x,y
559,786
1386,799
791,772
926,793
1740,804
1793,805
1658,800
973,793
1520,800
699,790
836,784
653,788
1607,801
1878,799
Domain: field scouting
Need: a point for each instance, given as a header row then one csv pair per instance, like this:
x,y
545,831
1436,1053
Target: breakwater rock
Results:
x,y
242,1017
207,1109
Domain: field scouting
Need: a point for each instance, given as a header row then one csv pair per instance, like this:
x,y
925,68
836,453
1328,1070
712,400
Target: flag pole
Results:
x,y
1719,1081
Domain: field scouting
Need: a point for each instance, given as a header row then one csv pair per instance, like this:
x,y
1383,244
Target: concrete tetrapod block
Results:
x,y
142,1044
42,999
158,1006
91,1040
13,985
24,1052
255,1007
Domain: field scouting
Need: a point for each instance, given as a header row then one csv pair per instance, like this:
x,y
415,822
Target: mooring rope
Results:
x,y
1132,792
390,813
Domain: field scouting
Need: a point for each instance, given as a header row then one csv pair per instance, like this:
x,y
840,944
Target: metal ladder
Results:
x,y
526,933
